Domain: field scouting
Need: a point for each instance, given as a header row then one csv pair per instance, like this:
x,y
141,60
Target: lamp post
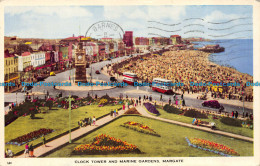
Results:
x,y
243,104
69,99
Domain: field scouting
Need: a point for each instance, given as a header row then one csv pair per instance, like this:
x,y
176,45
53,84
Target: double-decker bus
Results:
x,y
162,85
130,78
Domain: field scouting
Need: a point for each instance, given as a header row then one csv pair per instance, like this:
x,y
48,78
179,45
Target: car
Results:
x,y
212,103
113,79
52,73
97,72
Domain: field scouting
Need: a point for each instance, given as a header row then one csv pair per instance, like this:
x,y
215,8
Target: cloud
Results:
x,y
166,12
62,12
220,16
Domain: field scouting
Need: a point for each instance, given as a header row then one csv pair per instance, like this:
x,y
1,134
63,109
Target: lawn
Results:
x,y
172,142
220,126
56,119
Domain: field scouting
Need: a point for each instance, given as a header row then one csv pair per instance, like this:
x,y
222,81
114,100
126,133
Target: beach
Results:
x,y
189,66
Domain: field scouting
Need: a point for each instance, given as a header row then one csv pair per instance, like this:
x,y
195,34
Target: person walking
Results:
x,y
232,114
9,153
161,98
183,103
236,114
114,113
169,101
43,141
26,151
31,151
94,121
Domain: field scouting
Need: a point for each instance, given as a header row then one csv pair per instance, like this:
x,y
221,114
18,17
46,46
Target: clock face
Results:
x,y
79,57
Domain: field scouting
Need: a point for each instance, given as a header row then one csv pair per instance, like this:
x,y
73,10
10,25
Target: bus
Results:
x,y
162,85
130,78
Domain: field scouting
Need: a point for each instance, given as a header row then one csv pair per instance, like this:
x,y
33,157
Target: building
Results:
x,y
38,59
175,39
11,70
128,38
24,61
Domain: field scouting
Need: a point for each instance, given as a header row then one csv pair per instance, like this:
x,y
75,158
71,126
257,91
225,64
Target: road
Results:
x,y
115,92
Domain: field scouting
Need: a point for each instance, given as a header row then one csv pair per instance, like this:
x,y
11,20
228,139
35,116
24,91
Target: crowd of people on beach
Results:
x,y
188,66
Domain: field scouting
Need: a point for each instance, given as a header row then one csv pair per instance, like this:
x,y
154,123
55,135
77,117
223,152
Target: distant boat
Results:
x,y
212,48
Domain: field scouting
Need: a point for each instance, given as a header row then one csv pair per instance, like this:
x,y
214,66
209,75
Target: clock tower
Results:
x,y
80,64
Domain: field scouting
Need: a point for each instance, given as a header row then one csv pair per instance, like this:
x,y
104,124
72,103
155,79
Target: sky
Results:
x,y
211,22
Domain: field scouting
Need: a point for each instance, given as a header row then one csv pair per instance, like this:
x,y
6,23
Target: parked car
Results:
x,y
97,72
113,79
52,73
40,78
212,104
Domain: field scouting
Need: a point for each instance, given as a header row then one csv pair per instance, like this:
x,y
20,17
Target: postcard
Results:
x,y
123,83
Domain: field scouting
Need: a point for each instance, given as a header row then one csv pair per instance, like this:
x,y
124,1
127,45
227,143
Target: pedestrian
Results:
x,y
236,114
155,103
31,151
183,102
10,153
169,101
139,97
180,101
94,121
90,120
128,104
43,140
176,100
26,151
181,96
123,106
114,113
161,98
232,114
144,98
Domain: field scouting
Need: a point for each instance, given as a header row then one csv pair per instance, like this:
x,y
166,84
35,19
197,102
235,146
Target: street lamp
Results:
x,y
69,99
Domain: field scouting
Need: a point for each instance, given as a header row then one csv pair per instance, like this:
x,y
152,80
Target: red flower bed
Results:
x,y
140,128
30,136
104,144
213,146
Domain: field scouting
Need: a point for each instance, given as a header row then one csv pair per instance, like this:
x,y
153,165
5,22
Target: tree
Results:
x,y
49,104
21,48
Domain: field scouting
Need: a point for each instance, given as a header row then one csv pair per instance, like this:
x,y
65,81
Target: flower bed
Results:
x,y
151,108
140,128
132,111
30,137
104,144
211,147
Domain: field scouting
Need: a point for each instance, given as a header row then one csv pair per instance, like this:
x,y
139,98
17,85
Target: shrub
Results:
x,y
132,111
151,108
171,109
231,121
103,102
107,97
195,114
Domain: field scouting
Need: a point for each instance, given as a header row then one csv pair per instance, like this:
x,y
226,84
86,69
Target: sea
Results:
x,y
238,54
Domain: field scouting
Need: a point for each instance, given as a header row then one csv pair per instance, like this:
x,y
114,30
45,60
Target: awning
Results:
x,y
37,68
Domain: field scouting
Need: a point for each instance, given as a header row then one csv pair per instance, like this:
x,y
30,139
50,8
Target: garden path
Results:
x,y
142,111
